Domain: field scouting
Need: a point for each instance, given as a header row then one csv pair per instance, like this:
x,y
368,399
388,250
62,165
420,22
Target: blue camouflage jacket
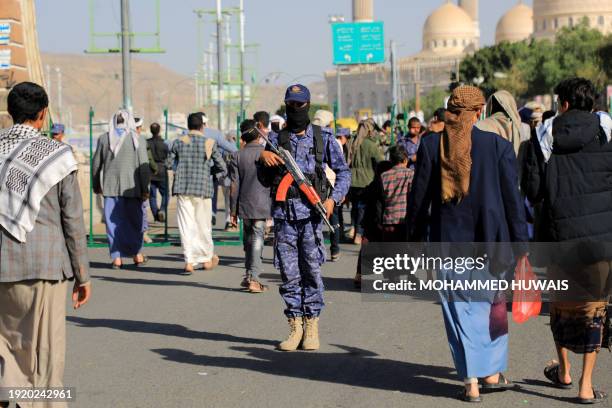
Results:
x,y
302,148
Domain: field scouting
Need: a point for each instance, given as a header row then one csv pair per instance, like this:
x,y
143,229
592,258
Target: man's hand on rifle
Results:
x,y
329,205
270,159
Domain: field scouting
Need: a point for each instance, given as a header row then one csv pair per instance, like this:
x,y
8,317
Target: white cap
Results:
x,y
139,122
277,118
204,118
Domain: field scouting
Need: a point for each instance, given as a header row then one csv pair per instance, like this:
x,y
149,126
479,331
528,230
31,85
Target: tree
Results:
x,y
431,101
531,67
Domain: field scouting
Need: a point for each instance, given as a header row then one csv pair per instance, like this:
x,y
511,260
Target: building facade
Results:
x,y
450,33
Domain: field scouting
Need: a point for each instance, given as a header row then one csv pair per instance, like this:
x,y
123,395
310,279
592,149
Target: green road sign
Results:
x,y
358,43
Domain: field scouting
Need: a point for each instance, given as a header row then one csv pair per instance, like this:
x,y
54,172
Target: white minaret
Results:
x,y
363,10
471,7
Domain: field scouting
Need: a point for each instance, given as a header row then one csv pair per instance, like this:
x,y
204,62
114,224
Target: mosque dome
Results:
x,y
449,30
516,25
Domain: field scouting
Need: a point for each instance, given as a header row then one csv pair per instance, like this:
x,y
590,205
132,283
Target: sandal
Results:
x,y
463,396
598,396
502,384
551,372
116,266
144,261
257,287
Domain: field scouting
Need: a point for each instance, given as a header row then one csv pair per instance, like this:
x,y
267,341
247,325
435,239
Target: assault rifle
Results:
x,y
295,174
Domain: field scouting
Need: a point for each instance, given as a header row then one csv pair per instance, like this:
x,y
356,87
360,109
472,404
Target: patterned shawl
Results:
x,y
117,132
30,165
456,142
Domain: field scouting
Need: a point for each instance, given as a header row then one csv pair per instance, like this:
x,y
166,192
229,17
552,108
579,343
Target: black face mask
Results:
x,y
297,118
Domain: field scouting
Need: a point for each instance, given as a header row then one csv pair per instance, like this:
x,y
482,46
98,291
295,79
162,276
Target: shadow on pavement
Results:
x,y
353,367
137,281
164,329
540,383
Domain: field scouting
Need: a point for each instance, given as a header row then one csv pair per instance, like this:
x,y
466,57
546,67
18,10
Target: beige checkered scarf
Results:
x,y
456,142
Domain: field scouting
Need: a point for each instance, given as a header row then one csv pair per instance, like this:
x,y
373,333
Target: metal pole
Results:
x,y
211,71
200,55
49,82
339,90
219,66
394,94
58,71
197,91
90,238
242,85
417,87
166,209
125,54
228,68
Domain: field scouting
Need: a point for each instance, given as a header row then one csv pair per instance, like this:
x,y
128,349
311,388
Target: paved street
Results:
x,y
151,337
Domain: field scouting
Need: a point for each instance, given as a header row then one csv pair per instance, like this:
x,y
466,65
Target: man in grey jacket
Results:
x,y
121,173
251,201
42,247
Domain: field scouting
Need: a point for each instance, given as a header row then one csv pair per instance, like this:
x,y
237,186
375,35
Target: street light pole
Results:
x,y
394,93
125,54
339,90
219,66
334,19
242,85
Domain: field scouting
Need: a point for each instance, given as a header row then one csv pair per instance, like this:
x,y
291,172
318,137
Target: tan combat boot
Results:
x,y
311,334
295,336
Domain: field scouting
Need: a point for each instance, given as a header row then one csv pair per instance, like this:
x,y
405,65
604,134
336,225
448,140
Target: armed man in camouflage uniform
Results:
x,y
299,249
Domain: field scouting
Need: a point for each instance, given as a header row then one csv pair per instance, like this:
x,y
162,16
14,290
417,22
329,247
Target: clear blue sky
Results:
x,y
294,36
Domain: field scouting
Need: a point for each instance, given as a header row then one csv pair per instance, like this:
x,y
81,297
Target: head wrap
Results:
x,y
456,142
323,118
367,128
505,123
277,118
118,131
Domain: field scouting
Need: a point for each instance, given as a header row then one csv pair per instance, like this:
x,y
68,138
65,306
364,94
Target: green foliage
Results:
x,y
431,101
530,67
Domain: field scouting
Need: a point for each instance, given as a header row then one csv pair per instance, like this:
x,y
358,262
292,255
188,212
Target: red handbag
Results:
x,y
527,299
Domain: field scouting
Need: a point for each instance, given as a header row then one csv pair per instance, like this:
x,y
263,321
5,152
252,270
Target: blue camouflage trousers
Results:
x,y
299,253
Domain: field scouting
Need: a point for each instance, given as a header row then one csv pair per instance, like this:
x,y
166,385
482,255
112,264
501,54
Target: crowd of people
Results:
x,y
478,171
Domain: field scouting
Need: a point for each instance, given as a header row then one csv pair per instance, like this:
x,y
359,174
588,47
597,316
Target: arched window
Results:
x,y
600,20
571,21
556,23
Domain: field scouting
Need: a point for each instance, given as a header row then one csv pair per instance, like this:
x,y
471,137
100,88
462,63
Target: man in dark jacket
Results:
x,y
159,180
465,190
576,192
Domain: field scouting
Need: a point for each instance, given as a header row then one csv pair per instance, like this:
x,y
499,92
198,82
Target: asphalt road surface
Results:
x,y
153,338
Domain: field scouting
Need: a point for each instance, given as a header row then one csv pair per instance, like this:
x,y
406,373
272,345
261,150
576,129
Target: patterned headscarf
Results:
x,y
456,142
118,131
